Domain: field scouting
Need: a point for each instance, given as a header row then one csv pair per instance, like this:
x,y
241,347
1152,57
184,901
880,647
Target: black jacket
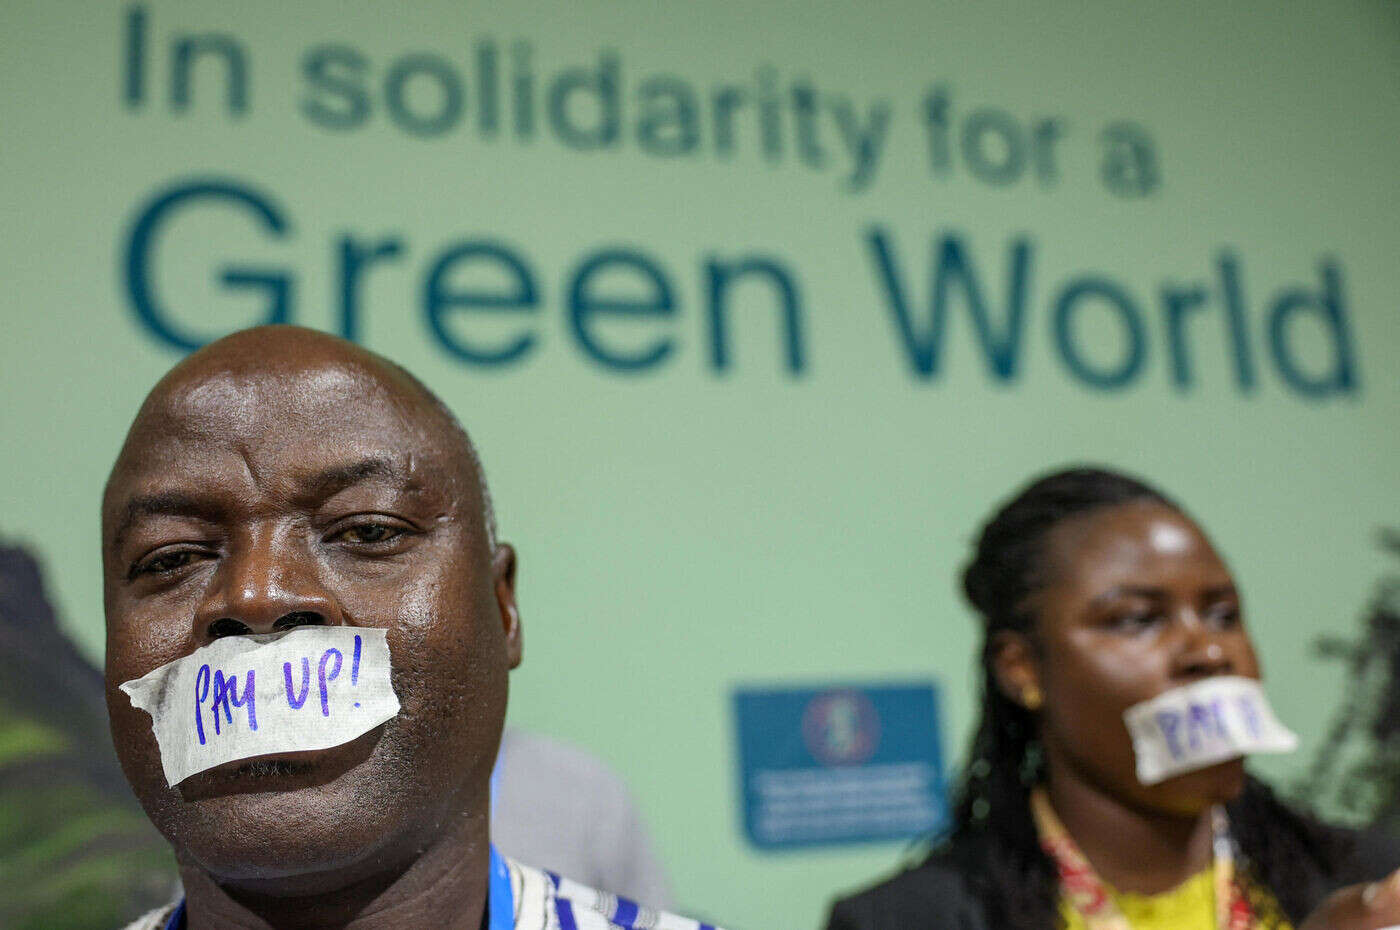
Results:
x,y
935,896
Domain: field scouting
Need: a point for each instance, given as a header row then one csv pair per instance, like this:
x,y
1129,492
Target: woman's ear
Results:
x,y
503,568
1016,669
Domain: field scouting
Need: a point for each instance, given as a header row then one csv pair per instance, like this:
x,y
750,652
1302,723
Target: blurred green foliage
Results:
x,y
1355,775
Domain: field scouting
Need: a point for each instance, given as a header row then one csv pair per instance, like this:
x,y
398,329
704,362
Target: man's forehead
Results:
x,y
279,417
277,404
206,474
265,415
261,393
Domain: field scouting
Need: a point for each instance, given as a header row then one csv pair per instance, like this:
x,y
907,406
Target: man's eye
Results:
x,y
164,563
368,533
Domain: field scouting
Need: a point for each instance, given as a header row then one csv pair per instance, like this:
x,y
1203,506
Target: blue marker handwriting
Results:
x,y
217,692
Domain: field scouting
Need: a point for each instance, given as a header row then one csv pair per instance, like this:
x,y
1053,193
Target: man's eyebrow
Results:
x,y
336,478
163,503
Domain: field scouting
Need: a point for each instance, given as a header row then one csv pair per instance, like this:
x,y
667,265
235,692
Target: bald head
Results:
x,y
241,369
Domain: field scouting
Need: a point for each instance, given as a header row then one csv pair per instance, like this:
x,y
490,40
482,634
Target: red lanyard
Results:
x,y
1081,886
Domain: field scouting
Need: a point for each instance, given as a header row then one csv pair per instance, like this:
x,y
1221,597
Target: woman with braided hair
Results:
x,y
1098,593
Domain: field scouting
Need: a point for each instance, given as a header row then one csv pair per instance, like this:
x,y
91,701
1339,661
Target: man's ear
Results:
x,y
503,568
1016,670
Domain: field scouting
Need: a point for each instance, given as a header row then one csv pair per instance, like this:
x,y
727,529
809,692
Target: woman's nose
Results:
x,y
1200,653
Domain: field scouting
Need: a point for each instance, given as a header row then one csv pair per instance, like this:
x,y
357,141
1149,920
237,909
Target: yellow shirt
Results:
x,y
1188,906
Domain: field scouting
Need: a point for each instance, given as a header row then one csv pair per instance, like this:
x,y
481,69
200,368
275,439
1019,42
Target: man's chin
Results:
x,y
281,815
260,836
281,772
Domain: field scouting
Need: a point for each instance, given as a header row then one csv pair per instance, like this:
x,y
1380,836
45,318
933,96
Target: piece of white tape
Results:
x,y
1201,724
245,696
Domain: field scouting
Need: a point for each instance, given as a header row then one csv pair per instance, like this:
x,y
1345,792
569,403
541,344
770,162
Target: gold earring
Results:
x,y
1031,698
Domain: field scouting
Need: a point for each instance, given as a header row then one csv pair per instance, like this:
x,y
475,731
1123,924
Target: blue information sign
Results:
x,y
840,763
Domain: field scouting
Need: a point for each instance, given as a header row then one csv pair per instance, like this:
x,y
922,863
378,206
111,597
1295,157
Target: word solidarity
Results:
x,y
486,91
1202,724
246,696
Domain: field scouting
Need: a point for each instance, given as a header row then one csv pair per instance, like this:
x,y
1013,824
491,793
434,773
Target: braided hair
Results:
x,y
994,838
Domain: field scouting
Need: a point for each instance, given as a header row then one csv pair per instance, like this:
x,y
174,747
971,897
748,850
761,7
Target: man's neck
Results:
x,y
1131,849
444,887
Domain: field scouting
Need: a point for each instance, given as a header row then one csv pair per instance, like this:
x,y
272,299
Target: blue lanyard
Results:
x,y
500,903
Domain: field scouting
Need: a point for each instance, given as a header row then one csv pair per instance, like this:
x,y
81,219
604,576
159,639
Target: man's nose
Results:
x,y
265,584
1200,652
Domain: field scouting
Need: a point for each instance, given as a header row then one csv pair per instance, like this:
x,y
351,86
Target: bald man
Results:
x,y
280,484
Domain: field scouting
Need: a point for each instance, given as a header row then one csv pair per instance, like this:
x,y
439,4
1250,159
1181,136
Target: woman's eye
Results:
x,y
1224,615
369,533
1133,622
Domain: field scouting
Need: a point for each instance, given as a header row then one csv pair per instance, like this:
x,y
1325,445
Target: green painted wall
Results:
x,y
682,528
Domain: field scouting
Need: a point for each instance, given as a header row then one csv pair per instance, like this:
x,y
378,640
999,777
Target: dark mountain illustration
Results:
x,y
76,852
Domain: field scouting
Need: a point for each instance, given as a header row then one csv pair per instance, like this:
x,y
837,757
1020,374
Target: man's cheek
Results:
x,y
150,633
136,748
428,693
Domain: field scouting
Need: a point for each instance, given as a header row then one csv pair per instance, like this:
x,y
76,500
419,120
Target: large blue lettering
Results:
x,y
1001,345
1114,297
586,306
521,295
145,233
1328,308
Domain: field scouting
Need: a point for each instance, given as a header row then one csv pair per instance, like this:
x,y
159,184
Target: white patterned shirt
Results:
x,y
536,900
